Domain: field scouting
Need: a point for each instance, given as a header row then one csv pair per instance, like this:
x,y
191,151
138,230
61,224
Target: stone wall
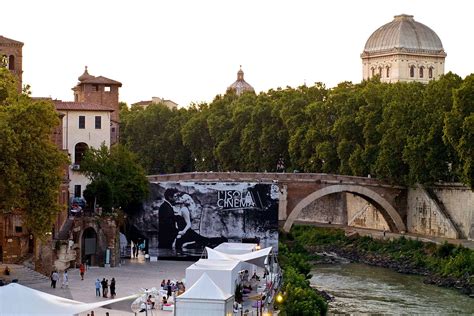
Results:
x,y
328,209
107,237
424,215
361,213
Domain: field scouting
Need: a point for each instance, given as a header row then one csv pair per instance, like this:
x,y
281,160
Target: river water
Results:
x,y
362,289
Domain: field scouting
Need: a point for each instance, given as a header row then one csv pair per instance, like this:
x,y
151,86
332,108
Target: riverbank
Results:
x,y
445,265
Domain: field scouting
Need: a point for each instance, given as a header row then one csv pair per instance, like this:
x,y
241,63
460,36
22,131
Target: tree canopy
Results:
x,y
117,179
404,133
31,165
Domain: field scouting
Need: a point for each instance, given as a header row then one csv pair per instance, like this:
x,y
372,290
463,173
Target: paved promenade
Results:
x,y
130,278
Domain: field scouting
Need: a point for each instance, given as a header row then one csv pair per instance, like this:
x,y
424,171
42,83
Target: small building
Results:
x,y
403,50
156,100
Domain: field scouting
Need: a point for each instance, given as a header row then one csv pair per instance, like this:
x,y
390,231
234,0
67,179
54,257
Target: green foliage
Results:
x,y
445,260
117,179
404,133
31,166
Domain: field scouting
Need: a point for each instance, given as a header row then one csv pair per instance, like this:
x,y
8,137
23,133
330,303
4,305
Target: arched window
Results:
x,y
387,71
430,72
79,151
373,71
380,72
11,62
422,71
412,71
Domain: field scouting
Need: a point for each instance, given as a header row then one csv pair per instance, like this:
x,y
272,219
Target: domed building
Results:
x,y
403,50
240,85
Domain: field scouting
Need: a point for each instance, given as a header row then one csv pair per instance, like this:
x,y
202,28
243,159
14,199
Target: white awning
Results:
x,y
255,257
16,299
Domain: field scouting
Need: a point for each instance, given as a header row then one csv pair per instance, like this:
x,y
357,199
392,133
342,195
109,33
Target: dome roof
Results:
x,y
85,76
404,34
240,85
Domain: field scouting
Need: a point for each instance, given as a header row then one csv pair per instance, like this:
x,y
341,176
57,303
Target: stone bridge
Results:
x,y
299,190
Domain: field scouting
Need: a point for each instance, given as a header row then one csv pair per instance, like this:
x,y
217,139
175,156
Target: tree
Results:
x,y
117,179
31,166
459,129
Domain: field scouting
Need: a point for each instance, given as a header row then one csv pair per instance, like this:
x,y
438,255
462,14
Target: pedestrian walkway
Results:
x,y
130,278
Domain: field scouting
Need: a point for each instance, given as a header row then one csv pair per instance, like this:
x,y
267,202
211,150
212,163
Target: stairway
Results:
x,y
24,275
65,229
66,256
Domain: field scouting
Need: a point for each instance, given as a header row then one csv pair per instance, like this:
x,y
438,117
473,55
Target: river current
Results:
x,y
361,289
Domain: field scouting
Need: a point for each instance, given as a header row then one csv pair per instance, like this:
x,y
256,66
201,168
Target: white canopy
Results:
x,y
204,298
255,257
205,288
224,273
16,299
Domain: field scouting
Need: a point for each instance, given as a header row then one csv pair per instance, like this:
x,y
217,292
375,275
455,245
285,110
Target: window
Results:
x,y
82,122
373,72
95,87
412,71
98,122
421,71
430,72
77,190
18,229
79,151
11,62
380,72
387,71
107,88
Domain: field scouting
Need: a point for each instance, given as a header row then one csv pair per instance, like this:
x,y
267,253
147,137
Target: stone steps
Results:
x,y
24,275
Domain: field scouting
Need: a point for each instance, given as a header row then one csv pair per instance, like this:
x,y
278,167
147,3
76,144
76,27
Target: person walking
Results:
x,y
65,283
104,287
112,288
97,287
54,279
82,269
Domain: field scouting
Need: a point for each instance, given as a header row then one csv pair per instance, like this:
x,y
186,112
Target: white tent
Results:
x,y
16,300
257,258
204,298
236,248
224,273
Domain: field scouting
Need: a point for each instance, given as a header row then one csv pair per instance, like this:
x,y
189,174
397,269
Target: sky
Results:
x,y
189,51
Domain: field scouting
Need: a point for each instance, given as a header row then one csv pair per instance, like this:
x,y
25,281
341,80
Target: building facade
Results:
x,y
85,125
11,57
101,91
403,50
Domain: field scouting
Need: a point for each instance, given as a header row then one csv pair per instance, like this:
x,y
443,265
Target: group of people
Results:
x,y
105,286
54,277
171,287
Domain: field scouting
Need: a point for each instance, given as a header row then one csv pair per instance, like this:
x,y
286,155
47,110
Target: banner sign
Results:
x,y
180,219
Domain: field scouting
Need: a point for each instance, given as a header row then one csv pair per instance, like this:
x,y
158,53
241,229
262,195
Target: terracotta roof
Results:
x,y
101,80
4,40
80,106
143,103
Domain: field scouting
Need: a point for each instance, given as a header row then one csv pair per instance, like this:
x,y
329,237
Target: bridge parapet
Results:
x,y
271,177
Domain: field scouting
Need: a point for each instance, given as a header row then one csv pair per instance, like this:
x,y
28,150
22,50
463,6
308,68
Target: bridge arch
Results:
x,y
389,213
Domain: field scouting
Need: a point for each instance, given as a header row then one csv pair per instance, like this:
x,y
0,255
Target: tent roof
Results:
x,y
235,248
27,301
255,257
214,264
205,288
